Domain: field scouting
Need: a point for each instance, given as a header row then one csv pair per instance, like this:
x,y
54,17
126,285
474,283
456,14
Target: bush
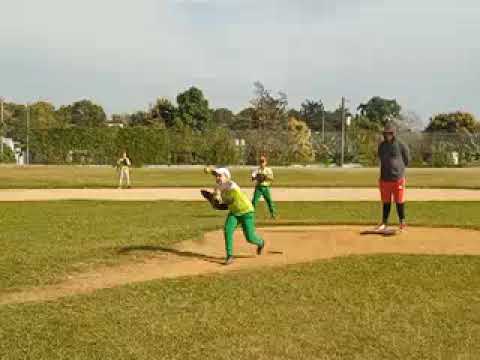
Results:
x,y
8,156
103,146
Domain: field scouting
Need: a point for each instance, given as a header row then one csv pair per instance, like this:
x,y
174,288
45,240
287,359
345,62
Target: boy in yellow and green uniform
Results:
x,y
263,176
228,196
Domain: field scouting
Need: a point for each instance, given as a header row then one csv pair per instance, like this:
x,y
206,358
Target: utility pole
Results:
x,y
342,158
1,125
28,131
323,124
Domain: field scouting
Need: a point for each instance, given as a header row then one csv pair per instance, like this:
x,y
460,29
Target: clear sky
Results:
x,y
124,54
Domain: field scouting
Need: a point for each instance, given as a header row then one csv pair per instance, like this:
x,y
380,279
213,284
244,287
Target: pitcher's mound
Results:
x,y
285,245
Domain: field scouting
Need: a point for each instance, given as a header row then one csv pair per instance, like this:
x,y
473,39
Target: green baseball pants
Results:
x,y
265,192
248,226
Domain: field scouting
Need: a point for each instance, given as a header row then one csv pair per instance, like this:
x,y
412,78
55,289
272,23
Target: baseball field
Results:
x,y
115,279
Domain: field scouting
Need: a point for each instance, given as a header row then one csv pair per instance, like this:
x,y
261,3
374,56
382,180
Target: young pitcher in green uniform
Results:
x,y
228,196
263,177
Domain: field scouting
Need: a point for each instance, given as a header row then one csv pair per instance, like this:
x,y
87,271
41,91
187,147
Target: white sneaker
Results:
x,y
381,227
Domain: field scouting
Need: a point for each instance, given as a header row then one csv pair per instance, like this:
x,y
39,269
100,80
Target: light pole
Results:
x,y
28,130
342,156
323,124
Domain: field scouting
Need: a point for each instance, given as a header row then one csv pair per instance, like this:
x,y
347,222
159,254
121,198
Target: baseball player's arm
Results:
x,y
209,170
405,154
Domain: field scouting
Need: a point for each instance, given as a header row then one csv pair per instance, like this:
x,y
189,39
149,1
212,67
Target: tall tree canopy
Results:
x,y
379,111
162,113
83,113
193,110
270,110
312,113
452,122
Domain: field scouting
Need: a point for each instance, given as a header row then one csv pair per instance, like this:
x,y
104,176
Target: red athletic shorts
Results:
x,y
395,189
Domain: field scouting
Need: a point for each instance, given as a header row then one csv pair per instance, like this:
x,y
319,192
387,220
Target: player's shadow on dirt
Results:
x,y
187,254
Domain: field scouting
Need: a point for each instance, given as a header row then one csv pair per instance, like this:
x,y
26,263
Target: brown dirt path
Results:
x,y
193,194
285,245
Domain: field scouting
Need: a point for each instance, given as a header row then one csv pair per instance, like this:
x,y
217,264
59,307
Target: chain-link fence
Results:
x,y
151,146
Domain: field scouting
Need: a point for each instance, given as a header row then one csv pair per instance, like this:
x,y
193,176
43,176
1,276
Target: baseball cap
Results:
x,y
223,171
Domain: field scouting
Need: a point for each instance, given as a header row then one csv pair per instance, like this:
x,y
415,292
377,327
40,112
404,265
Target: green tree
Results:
x,y
193,110
270,111
243,120
223,117
85,113
312,113
139,118
452,123
15,121
378,111
44,116
162,114
300,142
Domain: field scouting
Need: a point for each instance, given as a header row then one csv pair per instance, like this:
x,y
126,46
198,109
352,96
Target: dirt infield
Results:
x,y
285,245
193,194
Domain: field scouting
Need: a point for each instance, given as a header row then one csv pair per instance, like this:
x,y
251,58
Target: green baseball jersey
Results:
x,y
267,172
237,201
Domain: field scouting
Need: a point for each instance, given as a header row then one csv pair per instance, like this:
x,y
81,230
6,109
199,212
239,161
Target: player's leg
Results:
x,y
386,196
250,232
256,196
268,198
399,196
127,176
229,229
120,181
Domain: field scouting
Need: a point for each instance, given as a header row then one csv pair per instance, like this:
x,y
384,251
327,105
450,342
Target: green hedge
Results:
x,y
144,145
8,156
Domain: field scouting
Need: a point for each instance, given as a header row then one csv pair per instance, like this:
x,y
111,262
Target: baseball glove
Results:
x,y
261,178
209,196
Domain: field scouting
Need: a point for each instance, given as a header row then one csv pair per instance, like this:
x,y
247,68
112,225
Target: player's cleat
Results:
x,y
228,260
381,228
260,248
402,227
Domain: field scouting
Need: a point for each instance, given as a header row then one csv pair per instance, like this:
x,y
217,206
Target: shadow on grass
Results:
x,y
186,254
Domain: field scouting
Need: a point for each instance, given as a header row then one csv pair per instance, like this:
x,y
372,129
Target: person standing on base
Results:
x,y
123,166
263,177
228,196
394,158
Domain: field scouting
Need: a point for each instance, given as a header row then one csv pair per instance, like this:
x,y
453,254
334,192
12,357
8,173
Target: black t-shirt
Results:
x,y
394,157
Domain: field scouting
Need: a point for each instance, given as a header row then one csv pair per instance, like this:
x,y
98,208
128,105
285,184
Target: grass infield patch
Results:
x,y
43,241
369,307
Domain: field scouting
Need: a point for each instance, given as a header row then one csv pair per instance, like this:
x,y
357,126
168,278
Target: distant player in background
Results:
x,y
394,158
123,166
263,177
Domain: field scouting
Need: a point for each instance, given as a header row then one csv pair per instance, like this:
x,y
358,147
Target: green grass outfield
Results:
x,y
364,307
104,177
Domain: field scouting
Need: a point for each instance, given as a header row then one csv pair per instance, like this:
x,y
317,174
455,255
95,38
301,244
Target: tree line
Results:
x,y
267,110
268,124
